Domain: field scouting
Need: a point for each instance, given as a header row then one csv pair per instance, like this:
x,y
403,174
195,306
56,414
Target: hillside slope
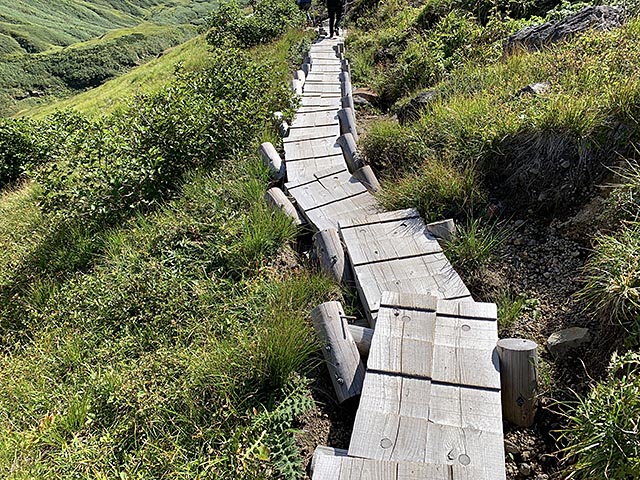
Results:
x,y
37,25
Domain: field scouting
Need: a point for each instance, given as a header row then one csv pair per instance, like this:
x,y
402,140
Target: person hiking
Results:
x,y
334,7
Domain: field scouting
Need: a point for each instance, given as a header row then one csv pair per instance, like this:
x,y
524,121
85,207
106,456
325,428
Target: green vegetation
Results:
x,y
63,55
602,435
475,244
152,313
468,139
115,93
230,25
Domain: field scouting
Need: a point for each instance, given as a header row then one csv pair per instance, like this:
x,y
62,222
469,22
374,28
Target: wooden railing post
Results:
x,y
519,380
330,254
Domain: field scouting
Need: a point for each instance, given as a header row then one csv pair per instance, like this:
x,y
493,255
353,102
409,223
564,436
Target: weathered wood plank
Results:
x,y
315,119
300,170
311,149
403,342
325,191
465,352
328,216
296,135
383,217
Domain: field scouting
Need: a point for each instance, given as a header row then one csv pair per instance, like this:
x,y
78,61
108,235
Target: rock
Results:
x,y
560,342
365,96
444,229
535,89
511,447
534,37
524,469
411,110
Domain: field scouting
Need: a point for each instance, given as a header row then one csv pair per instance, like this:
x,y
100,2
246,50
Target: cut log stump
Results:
x,y
330,254
276,198
519,380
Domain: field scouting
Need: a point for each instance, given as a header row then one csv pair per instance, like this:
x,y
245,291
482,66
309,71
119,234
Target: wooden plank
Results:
x,y
477,310
306,134
311,148
322,88
326,68
329,215
315,119
325,191
321,102
423,275
327,467
403,342
387,242
465,407
383,217
465,352
299,170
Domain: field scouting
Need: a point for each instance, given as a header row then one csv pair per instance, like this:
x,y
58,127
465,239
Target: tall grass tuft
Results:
x,y
612,279
601,438
475,244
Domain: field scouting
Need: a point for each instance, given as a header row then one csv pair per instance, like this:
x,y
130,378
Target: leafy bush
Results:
x,y
136,158
269,19
601,438
612,279
18,147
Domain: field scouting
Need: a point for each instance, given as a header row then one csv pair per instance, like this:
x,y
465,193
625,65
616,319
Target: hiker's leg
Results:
x,y
338,18
332,19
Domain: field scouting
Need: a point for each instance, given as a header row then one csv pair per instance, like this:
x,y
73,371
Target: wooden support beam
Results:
x,y
519,380
276,198
330,254
296,86
367,178
348,122
340,351
321,450
272,160
350,151
362,336
300,76
347,102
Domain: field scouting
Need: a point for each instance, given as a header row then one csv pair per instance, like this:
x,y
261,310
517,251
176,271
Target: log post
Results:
x,y
301,76
443,229
367,178
347,102
272,160
330,254
519,380
306,68
345,66
276,198
362,336
348,122
350,152
296,86
345,83
340,351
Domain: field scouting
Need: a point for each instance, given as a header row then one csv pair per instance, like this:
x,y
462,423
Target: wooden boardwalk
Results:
x,y
430,403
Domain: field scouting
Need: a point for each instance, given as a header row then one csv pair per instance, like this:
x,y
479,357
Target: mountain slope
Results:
x,y
38,25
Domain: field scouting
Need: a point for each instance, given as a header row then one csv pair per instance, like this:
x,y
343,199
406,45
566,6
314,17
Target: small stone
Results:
x,y
524,469
511,447
518,241
560,342
444,229
519,223
566,164
535,89
365,95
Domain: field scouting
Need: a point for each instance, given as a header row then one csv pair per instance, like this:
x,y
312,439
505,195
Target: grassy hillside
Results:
x,y
37,25
69,47
544,187
117,91
152,308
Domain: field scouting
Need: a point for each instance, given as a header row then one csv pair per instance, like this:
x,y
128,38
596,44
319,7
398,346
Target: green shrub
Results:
x,y
18,147
136,158
269,19
623,202
601,437
612,279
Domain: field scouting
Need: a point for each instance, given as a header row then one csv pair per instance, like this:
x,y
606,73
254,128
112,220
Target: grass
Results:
x,y
612,279
114,93
475,244
171,344
602,436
